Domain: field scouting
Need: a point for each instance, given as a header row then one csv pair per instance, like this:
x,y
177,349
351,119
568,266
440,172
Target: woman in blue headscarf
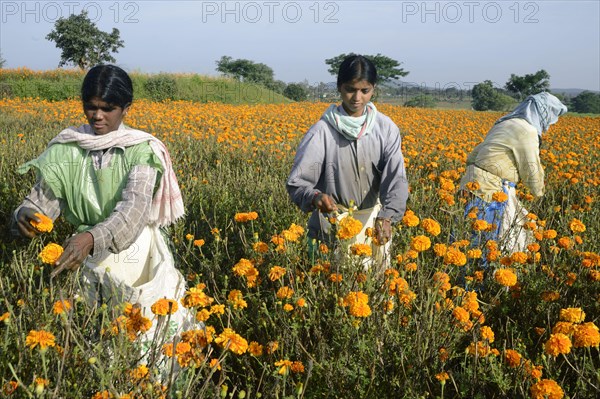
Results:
x,y
509,153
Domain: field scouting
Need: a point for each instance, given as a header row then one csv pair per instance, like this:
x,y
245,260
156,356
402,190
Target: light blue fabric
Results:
x,y
351,126
540,110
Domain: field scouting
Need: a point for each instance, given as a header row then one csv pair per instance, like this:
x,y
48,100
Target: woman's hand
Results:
x,y
24,218
325,203
77,248
383,230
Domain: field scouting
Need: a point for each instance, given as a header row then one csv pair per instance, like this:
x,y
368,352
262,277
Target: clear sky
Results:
x,y
441,43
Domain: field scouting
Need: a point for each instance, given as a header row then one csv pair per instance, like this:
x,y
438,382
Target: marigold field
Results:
x,y
281,325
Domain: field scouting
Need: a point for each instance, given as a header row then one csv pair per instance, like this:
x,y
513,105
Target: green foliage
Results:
x,y
487,98
161,87
523,86
296,92
245,70
82,43
387,68
421,101
586,103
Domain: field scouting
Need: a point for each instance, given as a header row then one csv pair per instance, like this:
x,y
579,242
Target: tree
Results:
x,y
387,68
522,86
245,70
296,92
485,97
82,43
586,102
2,61
421,101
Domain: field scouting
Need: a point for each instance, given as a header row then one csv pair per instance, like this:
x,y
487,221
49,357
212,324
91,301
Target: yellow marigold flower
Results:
x,y
410,219
557,344
5,316
217,309
442,282
474,253
534,371
139,373
406,297
195,297
472,186
431,227
563,327
285,293
499,196
572,315
42,338
228,339
260,247
245,217
202,315
358,303
255,349
565,242
480,225
335,277
519,257
442,377
361,249
577,226
440,249
301,302
487,334
323,248
198,243
242,267
189,237
420,243
460,314
411,267
546,389
586,335
50,253
480,349
164,306
512,358
284,366
288,308
478,276
454,256
61,306
348,227
215,364
276,273
550,234
534,247
45,224
236,299
505,277
550,296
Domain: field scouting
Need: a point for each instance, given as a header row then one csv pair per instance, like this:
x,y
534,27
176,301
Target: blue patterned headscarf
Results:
x,y
540,110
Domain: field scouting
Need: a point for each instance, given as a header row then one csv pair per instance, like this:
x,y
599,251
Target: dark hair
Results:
x,y
356,67
109,83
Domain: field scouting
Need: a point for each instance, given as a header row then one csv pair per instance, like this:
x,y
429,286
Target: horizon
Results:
x,y
441,43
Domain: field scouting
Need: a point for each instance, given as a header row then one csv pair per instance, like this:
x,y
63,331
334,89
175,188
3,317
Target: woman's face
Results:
x,y
102,116
355,96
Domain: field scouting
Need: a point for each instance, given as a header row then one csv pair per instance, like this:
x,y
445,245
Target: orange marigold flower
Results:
x,y
348,227
236,298
164,306
563,327
195,297
420,243
245,217
410,219
272,346
534,247
460,314
301,302
61,306
202,315
284,366
474,253
217,309
577,226
189,237
285,293
297,367
228,339
487,334
45,224
505,277
550,234
550,296
572,315
431,227
335,277
361,249
323,248
512,358
586,335
454,256
50,253
139,373
411,267
565,242
42,338
519,257
10,387
546,389
472,186
442,377
260,247
499,196
358,303
276,273
557,344
440,249
288,307
480,225
198,243
255,349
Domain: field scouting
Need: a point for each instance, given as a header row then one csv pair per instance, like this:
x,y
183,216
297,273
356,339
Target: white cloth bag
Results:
x,y
513,237
141,274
